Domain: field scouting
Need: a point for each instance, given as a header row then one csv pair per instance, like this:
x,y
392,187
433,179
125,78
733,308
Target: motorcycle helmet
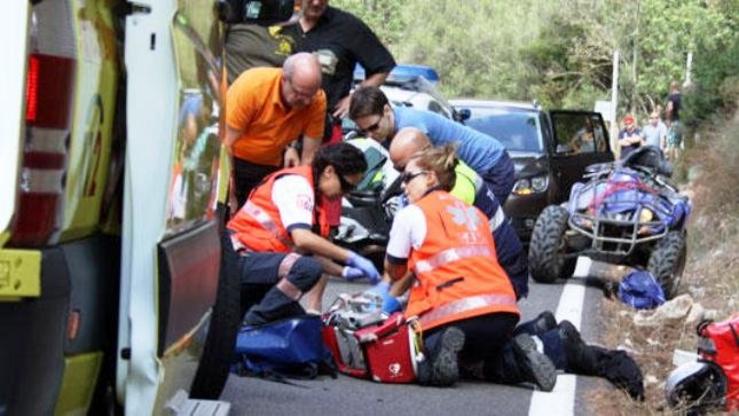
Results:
x,y
695,387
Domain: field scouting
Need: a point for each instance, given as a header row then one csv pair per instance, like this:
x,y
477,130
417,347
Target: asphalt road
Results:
x,y
348,396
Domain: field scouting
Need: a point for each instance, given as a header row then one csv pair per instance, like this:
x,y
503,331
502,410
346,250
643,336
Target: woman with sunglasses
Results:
x,y
463,299
280,236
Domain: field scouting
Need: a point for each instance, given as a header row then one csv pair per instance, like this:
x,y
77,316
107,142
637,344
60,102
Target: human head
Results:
x,y
337,168
654,118
674,86
370,110
432,169
314,9
408,143
301,79
629,122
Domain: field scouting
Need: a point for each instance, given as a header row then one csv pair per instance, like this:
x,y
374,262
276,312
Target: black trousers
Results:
x,y
247,176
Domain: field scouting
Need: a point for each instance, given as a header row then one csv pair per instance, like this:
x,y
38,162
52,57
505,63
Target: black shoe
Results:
x,y
444,365
579,360
535,367
544,322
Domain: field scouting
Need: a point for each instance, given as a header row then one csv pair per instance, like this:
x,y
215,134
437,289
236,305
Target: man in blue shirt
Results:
x,y
373,115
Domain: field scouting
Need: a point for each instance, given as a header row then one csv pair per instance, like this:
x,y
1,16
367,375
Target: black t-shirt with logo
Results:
x,y
341,40
250,46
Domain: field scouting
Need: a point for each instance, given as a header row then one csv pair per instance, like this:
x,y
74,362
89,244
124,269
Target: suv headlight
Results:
x,y
528,186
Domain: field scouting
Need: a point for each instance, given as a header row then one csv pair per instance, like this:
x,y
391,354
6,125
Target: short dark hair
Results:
x,y
345,158
367,101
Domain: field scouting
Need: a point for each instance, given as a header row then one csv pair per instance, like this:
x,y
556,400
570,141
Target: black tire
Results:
x,y
212,372
547,248
667,262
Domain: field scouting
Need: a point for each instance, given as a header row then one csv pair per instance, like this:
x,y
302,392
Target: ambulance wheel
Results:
x,y
667,262
213,369
548,247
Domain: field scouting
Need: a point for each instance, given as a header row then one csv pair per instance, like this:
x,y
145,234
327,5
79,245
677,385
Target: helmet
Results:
x,y
696,386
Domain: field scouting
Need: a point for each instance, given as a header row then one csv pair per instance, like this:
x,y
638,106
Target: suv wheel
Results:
x,y
667,262
548,247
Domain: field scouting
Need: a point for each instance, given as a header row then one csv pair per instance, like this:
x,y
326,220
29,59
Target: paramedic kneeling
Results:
x,y
280,234
463,299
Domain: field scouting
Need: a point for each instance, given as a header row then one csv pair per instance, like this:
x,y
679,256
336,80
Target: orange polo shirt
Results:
x,y
267,126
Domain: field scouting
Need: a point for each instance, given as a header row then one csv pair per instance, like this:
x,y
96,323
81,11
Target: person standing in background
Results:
x,y
655,132
630,137
674,127
250,46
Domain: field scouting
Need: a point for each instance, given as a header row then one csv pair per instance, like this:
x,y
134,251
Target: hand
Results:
x,y
351,273
342,107
291,157
364,264
390,303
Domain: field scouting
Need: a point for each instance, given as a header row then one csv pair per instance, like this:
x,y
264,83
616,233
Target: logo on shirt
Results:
x,y
466,216
304,202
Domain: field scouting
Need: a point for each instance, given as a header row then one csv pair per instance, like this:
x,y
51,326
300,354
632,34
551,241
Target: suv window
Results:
x,y
579,133
515,129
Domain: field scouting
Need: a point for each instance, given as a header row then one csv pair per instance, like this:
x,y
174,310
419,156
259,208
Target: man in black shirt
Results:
x,y
340,40
674,129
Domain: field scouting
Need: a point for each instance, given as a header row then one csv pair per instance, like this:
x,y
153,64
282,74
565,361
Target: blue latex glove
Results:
x,y
390,303
365,265
351,273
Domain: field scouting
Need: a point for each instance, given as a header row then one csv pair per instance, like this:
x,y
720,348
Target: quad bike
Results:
x,y
626,213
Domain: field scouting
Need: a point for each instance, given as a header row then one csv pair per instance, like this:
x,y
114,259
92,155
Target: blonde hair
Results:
x,y
442,161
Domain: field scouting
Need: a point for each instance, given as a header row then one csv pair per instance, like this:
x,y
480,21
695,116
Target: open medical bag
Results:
x,y
366,343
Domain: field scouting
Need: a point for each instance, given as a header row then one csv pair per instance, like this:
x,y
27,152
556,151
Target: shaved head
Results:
x,y
407,144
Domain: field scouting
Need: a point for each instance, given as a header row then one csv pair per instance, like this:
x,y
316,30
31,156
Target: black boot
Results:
x,y
441,367
580,358
534,366
537,326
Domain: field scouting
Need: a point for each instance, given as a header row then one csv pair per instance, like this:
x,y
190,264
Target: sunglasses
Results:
x,y
407,177
346,186
371,128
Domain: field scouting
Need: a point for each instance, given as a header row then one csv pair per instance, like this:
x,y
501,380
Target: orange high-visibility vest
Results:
x,y
456,268
257,225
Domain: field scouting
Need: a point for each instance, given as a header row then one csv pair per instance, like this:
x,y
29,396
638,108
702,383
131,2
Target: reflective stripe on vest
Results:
x,y
450,255
465,305
265,221
497,219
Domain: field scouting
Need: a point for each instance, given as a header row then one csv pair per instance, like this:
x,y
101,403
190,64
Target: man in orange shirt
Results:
x,y
268,109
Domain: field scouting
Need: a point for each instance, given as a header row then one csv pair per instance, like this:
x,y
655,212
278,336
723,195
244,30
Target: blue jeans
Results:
x,y
260,275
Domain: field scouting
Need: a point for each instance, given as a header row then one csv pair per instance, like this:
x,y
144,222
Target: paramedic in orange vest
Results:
x,y
463,299
280,234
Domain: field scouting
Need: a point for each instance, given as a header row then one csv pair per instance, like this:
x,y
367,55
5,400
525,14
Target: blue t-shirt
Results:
x,y
478,150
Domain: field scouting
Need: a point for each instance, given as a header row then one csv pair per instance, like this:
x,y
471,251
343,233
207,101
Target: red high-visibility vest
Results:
x,y
257,225
456,268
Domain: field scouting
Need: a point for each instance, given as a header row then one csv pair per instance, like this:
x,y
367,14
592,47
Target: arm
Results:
x,y
374,80
231,136
310,147
308,242
395,271
330,266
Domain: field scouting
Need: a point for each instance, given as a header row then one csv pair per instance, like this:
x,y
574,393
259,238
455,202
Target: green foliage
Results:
x,y
560,53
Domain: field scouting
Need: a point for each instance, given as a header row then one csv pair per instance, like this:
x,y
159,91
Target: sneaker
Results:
x,y
544,322
536,367
445,365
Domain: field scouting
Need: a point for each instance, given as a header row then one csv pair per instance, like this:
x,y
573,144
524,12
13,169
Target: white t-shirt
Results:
x,y
408,232
294,198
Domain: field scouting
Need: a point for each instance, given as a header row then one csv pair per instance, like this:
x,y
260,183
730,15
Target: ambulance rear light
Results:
x,y
49,84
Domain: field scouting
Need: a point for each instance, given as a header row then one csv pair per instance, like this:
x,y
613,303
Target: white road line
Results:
x,y
561,401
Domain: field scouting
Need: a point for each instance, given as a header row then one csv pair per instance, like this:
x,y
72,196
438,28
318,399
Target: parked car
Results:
x,y
550,151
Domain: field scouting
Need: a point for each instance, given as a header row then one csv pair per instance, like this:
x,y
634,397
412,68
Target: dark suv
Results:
x,y
550,150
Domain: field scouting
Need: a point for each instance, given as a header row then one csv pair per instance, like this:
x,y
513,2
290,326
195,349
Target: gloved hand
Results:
x,y
365,265
351,273
390,303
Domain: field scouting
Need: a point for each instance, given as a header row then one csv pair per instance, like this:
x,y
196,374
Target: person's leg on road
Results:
x,y
290,275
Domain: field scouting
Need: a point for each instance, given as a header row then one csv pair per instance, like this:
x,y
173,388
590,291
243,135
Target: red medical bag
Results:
x,y
720,344
385,351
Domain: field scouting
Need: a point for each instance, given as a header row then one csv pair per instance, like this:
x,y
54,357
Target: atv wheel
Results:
x,y
547,249
667,262
212,372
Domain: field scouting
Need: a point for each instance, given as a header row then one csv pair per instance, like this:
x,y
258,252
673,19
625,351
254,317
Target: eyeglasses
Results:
x,y
346,186
408,177
371,128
